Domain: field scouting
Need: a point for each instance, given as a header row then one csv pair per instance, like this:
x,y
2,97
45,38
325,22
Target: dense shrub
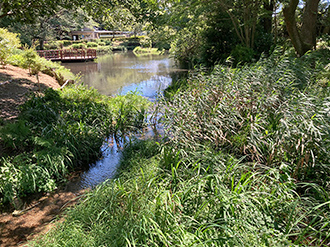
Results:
x,y
92,44
79,46
185,49
67,42
242,54
8,43
28,58
52,45
206,199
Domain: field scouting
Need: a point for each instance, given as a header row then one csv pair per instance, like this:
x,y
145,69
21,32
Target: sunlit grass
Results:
x,y
245,163
61,131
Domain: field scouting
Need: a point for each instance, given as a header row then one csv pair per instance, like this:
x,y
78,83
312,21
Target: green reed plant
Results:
x,y
245,163
161,198
60,131
272,112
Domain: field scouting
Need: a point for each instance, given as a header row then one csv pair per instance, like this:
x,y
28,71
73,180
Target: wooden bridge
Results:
x,y
67,55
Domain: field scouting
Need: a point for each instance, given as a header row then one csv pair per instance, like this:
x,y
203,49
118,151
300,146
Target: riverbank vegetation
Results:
x,y
61,131
28,58
141,51
245,163
245,157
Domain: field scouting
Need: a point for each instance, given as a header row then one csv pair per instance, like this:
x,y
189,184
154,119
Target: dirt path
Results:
x,y
15,85
36,216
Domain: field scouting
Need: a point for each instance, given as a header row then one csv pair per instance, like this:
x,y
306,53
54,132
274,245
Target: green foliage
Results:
x,y
138,51
206,199
245,163
28,12
104,49
30,60
242,54
79,46
53,45
106,41
186,48
67,42
92,44
60,131
8,43
273,112
146,42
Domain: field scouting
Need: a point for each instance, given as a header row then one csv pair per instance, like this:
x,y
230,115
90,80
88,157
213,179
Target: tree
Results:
x,y
52,27
28,11
304,39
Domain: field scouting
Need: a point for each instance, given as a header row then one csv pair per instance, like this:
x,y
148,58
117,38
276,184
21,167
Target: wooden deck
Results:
x,y
66,55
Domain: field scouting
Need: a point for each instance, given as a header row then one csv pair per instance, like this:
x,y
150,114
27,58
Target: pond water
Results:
x,y
117,74
120,73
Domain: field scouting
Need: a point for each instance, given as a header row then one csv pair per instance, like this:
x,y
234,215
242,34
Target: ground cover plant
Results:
x,y
60,131
245,163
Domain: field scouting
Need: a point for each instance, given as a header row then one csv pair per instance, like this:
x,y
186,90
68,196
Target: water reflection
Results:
x,y
121,73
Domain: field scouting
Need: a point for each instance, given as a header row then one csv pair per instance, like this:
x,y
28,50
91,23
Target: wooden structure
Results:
x,y
66,55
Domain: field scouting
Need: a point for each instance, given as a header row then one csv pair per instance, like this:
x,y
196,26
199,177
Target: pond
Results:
x,y
117,74
120,73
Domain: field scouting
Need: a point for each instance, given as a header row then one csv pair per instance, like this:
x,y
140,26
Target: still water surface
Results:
x,y
116,74
120,73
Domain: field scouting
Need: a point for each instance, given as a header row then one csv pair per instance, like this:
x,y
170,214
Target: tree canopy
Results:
x,y
29,11
198,31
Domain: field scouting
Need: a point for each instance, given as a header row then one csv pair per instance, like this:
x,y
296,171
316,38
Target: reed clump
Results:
x,y
244,163
61,131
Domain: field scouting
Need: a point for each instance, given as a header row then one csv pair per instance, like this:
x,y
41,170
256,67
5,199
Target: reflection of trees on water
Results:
x,y
120,72
82,68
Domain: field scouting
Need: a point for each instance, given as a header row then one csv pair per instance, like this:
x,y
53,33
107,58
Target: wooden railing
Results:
x,y
68,54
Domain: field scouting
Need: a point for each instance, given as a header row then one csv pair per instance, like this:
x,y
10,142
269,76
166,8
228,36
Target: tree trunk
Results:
x,y
267,20
304,40
308,29
41,43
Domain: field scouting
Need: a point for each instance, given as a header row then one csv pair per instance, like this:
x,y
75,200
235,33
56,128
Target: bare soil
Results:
x,y
24,220
15,86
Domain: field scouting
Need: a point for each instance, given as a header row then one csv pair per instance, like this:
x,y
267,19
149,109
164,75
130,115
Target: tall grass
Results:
x,y
208,199
60,131
274,112
245,163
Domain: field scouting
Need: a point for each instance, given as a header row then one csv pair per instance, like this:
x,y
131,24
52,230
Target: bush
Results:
x,y
79,46
242,54
52,45
30,61
8,43
146,42
67,43
245,163
92,44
